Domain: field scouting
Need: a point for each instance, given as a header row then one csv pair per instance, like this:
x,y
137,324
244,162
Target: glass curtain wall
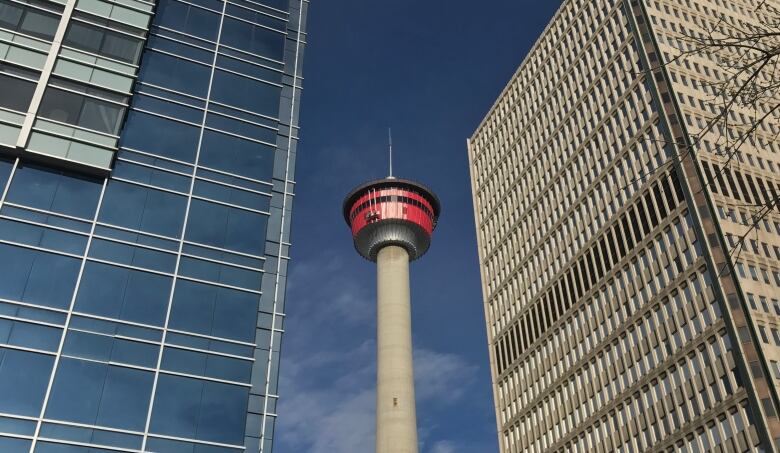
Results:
x,y
143,310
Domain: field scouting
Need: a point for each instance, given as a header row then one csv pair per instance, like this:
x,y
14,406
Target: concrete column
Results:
x,y
396,419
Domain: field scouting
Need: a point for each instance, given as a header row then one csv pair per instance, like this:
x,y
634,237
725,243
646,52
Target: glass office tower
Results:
x,y
613,320
148,155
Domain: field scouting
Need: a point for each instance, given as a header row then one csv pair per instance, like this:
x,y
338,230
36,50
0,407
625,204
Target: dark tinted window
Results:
x,y
122,293
213,310
24,376
98,393
160,136
253,38
209,411
55,191
246,93
236,155
15,94
174,73
37,277
80,110
226,227
143,208
103,42
187,18
27,19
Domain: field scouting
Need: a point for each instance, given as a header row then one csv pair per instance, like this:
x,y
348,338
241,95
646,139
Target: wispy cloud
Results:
x,y
443,446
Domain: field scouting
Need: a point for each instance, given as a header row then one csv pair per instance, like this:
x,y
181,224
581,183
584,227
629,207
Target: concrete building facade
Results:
x,y
147,157
614,320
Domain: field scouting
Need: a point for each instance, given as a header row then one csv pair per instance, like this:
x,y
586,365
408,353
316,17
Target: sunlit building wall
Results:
x,y
613,320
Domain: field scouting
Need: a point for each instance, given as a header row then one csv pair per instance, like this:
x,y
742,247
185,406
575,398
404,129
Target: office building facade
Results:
x,y
147,156
615,321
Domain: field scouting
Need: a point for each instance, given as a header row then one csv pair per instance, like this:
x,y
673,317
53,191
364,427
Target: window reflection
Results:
x,y
100,394
24,376
103,42
187,18
123,293
55,191
213,310
37,277
143,208
197,409
246,93
226,227
174,73
80,110
157,135
28,20
238,156
253,38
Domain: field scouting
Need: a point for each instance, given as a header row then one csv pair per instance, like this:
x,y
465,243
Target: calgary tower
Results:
x,y
392,221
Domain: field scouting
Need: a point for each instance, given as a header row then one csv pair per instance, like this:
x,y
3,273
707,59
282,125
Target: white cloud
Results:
x,y
443,446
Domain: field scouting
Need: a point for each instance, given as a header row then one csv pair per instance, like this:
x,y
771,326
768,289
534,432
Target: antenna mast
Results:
x,y
390,142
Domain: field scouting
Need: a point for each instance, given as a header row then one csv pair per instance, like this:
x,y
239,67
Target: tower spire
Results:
x,y
390,144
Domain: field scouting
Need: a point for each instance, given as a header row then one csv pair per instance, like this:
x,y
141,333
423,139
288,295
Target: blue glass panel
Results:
x,y
55,191
219,415
10,444
253,38
213,310
157,135
220,273
87,345
29,335
168,45
232,195
34,235
5,172
198,363
143,208
246,93
97,393
177,446
234,155
187,18
241,128
17,426
249,11
151,176
174,73
163,107
37,277
122,293
132,255
135,353
32,313
50,447
226,227
27,374
235,63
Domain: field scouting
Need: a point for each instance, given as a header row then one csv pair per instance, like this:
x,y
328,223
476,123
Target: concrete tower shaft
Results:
x,y
392,221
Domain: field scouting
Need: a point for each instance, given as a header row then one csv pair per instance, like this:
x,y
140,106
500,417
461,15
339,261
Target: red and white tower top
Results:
x,y
391,211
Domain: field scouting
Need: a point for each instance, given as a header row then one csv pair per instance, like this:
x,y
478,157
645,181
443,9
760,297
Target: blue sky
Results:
x,y
430,70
